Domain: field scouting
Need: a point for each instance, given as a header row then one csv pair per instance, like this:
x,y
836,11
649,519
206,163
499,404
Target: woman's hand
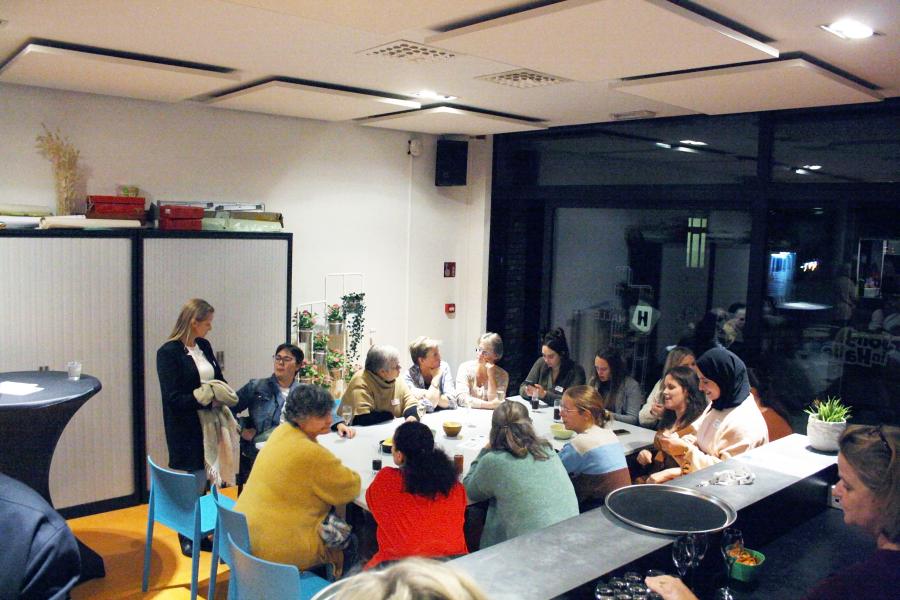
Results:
x,y
674,446
248,434
644,457
657,410
670,588
535,389
345,432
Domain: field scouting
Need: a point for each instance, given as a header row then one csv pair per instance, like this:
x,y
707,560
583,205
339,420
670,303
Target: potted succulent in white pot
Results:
x,y
827,421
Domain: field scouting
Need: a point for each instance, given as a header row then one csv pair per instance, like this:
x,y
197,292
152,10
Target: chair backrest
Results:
x,y
173,498
234,525
258,578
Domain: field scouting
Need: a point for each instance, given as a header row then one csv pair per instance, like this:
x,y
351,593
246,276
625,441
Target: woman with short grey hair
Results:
x,y
429,378
376,393
294,484
480,383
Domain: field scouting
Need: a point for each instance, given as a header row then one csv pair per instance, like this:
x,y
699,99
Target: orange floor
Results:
x,y
118,536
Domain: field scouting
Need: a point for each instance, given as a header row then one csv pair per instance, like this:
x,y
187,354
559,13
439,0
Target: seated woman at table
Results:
x,y
478,380
594,459
621,394
521,477
869,493
420,507
776,417
679,356
429,378
376,394
294,484
731,425
683,406
554,371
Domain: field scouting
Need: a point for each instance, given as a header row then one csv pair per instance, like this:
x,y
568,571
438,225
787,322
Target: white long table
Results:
x,y
358,453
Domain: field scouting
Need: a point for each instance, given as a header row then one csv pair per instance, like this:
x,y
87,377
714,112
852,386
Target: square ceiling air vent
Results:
x,y
409,52
523,78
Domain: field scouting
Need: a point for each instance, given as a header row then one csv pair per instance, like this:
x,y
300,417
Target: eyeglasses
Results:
x,y
563,409
479,351
282,359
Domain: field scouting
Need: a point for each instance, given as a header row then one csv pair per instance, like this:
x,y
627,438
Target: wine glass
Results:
x,y
682,554
699,544
731,538
347,414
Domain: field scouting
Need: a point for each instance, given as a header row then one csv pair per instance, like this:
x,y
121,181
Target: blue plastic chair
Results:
x,y
175,504
228,523
255,578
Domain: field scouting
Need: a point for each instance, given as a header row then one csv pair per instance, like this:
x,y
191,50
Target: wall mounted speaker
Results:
x,y
450,163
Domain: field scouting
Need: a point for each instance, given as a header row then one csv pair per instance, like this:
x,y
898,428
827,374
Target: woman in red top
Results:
x,y
420,508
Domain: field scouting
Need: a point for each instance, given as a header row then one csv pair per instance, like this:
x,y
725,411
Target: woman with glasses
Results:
x,y
620,392
869,493
479,380
521,478
594,459
554,371
264,399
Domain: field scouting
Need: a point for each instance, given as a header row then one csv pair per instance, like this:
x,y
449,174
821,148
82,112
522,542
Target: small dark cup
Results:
x,y
534,404
459,462
376,464
556,416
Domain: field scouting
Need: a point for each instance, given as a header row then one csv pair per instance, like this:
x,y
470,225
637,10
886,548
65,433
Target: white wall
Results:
x,y
354,199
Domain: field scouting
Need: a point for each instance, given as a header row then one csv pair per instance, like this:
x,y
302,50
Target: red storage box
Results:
x,y
181,224
175,211
116,207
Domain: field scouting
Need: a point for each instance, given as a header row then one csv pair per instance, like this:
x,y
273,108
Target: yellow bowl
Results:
x,y
560,432
387,445
452,428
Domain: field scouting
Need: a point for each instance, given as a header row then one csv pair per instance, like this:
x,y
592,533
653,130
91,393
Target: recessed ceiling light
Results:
x,y
663,145
801,171
683,149
849,29
812,167
431,95
692,142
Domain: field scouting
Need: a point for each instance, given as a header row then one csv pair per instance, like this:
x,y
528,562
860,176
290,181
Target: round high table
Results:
x,y
30,427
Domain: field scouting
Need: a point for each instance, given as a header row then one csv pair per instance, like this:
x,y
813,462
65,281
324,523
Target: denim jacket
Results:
x,y
262,397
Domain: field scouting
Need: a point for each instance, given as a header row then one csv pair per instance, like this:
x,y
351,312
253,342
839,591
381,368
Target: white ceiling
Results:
x,y
318,41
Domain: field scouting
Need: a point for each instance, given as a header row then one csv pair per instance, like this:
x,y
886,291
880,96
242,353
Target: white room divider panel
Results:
x,y
246,282
66,298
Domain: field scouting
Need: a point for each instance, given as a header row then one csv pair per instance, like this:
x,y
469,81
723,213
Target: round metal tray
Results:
x,y
670,509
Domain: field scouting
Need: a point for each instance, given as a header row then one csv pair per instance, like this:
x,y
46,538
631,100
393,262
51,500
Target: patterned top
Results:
x,y
413,379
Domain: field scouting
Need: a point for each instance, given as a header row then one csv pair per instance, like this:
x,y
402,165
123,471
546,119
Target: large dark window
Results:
x,y
589,222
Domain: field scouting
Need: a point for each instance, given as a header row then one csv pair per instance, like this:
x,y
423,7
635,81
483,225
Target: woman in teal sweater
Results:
x,y
522,478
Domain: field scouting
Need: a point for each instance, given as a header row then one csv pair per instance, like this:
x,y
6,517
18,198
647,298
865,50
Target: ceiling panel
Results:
x,y
590,40
448,120
383,16
310,102
775,85
84,71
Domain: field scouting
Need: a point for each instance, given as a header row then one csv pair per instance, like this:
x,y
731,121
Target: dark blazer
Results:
x,y
178,378
570,374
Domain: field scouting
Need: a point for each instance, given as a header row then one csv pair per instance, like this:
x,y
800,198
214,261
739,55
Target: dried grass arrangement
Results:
x,y
64,158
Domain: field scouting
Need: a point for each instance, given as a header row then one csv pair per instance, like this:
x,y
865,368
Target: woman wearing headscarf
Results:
x,y
732,423
554,371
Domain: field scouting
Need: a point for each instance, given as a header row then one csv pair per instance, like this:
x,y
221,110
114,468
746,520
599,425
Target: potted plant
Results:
x,y
308,372
303,322
335,362
320,345
334,314
827,421
353,304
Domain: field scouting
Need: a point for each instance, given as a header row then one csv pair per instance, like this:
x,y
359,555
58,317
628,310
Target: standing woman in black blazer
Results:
x,y
184,362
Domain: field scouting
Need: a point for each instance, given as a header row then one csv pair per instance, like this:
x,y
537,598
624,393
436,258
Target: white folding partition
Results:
x,y
66,298
245,280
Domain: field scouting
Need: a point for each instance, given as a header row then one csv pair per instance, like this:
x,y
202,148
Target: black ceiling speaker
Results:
x,y
450,164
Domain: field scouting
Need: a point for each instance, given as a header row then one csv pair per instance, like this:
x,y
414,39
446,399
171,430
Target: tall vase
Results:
x,y
304,341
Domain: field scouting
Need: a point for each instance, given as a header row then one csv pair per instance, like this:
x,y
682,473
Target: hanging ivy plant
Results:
x,y
353,304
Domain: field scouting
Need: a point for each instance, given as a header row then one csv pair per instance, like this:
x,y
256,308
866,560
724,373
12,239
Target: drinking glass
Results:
x,y
731,537
501,395
699,544
347,414
682,554
73,368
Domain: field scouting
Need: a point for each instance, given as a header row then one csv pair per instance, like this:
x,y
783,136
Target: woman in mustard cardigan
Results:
x,y
294,483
